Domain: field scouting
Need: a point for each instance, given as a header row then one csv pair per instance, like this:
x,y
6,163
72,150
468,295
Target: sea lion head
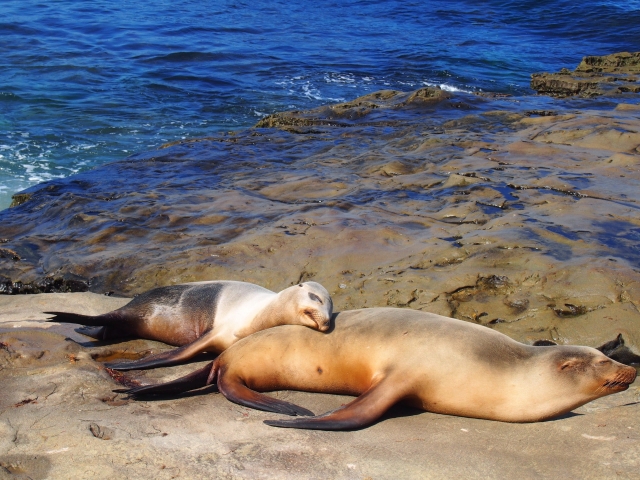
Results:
x,y
591,371
312,305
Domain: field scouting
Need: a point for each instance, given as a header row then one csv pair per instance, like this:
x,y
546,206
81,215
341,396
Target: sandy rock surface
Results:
x,y
60,419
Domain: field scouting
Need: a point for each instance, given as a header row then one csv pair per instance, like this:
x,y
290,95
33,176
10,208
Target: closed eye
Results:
x,y
315,298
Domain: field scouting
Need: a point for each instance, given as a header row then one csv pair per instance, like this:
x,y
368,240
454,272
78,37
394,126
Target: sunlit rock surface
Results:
x,y
615,74
521,220
60,419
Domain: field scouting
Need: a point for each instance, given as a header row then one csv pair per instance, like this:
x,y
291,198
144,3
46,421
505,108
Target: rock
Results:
x,y
103,433
60,419
343,114
403,200
613,74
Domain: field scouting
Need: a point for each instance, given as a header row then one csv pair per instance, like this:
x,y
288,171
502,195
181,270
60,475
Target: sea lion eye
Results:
x,y
315,298
602,363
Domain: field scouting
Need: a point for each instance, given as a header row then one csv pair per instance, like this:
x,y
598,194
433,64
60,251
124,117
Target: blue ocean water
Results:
x,y
85,83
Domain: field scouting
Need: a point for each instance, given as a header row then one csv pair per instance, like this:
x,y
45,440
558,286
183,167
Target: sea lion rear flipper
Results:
x,y
166,359
191,381
108,326
92,320
97,333
361,412
237,392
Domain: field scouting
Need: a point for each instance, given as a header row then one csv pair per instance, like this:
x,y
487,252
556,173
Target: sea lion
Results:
x,y
206,317
387,355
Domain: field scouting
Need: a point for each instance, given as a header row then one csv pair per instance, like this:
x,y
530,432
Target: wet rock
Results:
x,y
478,216
618,62
66,283
362,108
19,199
570,310
613,74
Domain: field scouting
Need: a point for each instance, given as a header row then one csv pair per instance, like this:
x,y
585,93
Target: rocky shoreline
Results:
x,y
512,213
614,74
516,220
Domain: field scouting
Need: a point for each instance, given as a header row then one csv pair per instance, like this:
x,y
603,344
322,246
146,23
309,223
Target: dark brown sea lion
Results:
x,y
386,355
206,317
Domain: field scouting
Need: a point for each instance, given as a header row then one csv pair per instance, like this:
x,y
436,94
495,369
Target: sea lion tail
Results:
x,y
78,318
192,381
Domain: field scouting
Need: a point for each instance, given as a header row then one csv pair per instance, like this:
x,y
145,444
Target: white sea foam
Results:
x,y
340,78
446,87
27,160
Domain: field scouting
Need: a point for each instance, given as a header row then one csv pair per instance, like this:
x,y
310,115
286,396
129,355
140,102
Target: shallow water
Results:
x,y
88,83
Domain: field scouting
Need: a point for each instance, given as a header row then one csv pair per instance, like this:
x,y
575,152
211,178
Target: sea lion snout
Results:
x,y
322,320
621,379
614,376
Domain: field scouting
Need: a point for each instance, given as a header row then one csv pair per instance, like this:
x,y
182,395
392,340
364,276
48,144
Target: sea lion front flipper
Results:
x,y
361,412
237,392
166,359
191,381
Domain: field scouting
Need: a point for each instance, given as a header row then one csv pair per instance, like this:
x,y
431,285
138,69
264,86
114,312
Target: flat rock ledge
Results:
x,y
60,419
615,74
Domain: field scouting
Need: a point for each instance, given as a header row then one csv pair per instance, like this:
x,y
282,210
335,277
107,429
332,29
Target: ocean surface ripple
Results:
x,y
88,83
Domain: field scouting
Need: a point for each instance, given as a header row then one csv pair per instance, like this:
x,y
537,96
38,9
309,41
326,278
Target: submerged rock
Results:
x,y
613,74
383,103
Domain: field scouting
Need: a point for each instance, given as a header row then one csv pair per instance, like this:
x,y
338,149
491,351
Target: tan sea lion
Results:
x,y
206,317
386,355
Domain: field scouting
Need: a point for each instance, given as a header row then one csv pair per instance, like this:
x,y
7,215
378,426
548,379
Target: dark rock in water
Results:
x,y
61,284
613,74
615,63
19,199
362,108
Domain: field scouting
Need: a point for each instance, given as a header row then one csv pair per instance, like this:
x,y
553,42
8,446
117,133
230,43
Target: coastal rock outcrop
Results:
x,y
613,74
